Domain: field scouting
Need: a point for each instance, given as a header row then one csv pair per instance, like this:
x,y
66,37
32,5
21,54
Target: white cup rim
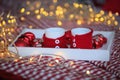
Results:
x,y
80,31
54,32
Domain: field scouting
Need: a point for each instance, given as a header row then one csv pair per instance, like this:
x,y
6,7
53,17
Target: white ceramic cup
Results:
x,y
54,32
81,38
80,31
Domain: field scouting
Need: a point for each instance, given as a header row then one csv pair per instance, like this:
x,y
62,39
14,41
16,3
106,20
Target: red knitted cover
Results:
x,y
83,41
54,43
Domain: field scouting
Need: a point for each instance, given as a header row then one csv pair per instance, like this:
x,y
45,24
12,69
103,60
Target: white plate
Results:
x,y
101,54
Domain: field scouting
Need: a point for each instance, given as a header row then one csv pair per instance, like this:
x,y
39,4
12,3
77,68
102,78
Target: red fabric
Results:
x,y
112,5
9,76
83,41
51,43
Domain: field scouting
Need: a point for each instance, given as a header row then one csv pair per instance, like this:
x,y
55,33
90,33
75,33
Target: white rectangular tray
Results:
x,y
101,54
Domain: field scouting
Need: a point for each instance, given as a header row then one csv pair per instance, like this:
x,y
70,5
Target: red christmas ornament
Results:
x,y
97,43
30,35
21,43
99,40
25,39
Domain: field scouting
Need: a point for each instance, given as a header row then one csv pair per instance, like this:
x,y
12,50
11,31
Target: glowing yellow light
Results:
x,y
31,59
101,19
51,13
110,14
71,63
3,22
102,12
11,17
28,12
97,15
59,23
116,23
36,11
96,19
66,5
45,13
30,26
76,5
8,15
0,24
113,18
22,10
81,5
108,22
12,29
2,42
22,18
54,1
38,16
79,22
71,16
41,10
90,10
59,8
117,14
9,21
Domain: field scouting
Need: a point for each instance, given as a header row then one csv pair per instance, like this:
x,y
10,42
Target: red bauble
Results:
x,y
99,40
97,44
25,39
30,35
21,43
102,38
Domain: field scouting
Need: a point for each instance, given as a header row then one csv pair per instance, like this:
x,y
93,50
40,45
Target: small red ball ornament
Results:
x,y
21,43
99,40
25,39
30,35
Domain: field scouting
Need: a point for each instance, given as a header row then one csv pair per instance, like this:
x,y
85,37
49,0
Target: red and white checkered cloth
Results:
x,y
99,69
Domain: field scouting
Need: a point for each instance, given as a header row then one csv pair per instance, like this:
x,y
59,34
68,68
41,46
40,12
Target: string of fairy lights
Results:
x,y
70,11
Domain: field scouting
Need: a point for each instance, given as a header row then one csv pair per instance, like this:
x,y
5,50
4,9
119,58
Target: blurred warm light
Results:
x,y
117,14
88,72
36,11
22,18
22,10
54,1
70,11
116,23
28,12
79,22
30,26
38,17
59,23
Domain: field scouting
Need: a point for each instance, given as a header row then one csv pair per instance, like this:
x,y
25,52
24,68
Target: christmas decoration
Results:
x,y
98,41
81,13
7,25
